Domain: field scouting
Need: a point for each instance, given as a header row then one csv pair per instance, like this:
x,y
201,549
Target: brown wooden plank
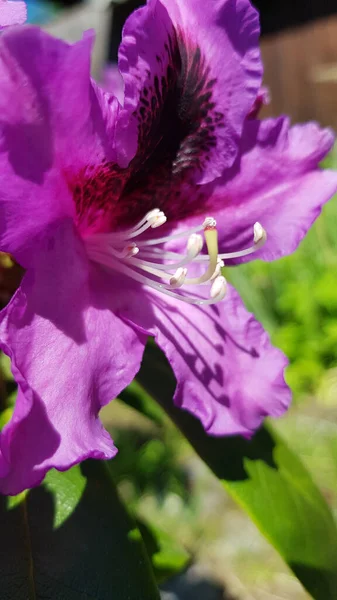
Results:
x,y
301,72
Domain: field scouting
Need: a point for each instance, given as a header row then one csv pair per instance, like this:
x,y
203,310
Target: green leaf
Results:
x,y
269,482
73,539
5,367
67,490
167,555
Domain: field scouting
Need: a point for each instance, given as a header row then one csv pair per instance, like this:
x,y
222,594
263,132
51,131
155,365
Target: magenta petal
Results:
x,y
228,373
277,182
227,33
144,35
112,82
262,99
12,13
52,121
194,71
70,356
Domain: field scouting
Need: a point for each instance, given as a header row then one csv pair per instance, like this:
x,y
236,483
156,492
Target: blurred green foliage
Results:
x,y
150,461
150,464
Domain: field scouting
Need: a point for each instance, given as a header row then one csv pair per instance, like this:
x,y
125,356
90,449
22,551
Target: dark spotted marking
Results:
x,y
177,122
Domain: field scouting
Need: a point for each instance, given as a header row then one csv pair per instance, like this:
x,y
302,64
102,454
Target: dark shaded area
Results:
x,y
10,279
119,15
91,555
277,15
136,401
193,586
150,464
318,581
65,3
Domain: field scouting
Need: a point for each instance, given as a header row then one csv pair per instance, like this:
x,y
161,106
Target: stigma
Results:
x,y
191,276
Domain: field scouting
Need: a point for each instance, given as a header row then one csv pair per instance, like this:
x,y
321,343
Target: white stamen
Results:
x,y
109,262
219,288
260,237
260,234
131,250
156,220
194,244
178,278
193,247
127,252
153,221
149,216
218,268
211,237
208,222
165,270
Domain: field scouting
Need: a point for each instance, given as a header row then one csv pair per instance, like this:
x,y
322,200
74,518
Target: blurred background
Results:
x,y
222,554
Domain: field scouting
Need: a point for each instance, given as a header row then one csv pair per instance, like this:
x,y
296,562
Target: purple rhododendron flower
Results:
x,y
121,216
12,12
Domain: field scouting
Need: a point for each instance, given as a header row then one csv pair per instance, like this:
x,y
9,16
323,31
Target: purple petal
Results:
x,y
277,182
228,374
12,13
52,121
70,356
262,99
112,82
191,76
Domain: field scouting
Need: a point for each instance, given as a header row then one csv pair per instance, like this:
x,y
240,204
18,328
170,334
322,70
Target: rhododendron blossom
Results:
x,y
122,215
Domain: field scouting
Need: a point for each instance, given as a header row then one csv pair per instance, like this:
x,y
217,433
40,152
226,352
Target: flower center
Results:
x,y
147,260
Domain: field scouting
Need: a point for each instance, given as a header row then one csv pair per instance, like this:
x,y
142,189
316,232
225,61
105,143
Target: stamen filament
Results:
x,y
211,237
164,270
260,237
176,236
194,246
103,259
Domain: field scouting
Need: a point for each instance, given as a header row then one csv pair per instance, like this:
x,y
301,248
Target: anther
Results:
x,y
150,215
219,288
260,234
209,223
178,278
194,244
131,250
156,218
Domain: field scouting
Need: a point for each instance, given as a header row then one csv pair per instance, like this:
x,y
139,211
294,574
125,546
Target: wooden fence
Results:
x,y
301,72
